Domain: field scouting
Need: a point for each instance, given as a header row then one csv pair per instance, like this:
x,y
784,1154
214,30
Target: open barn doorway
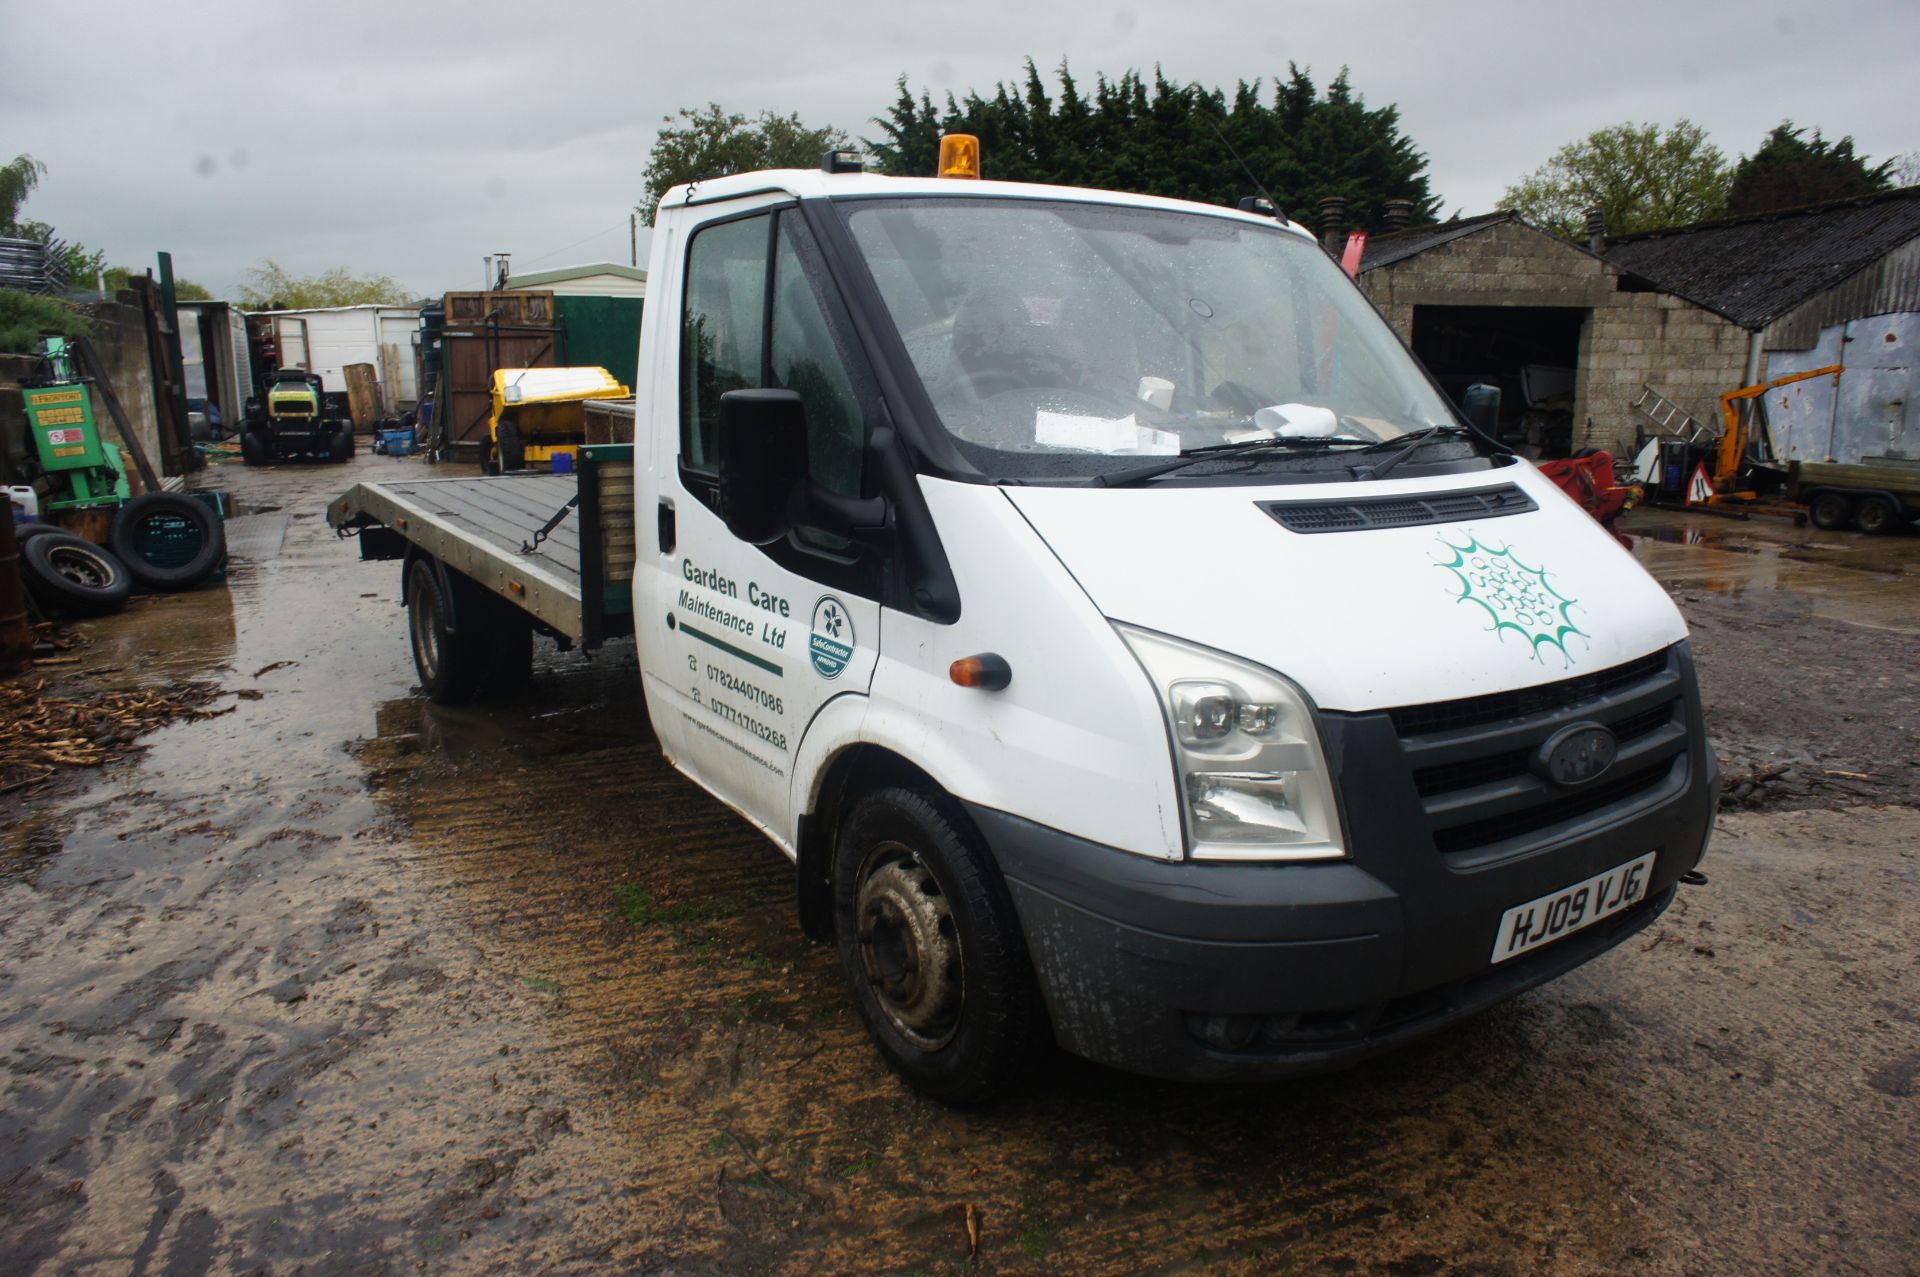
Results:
x,y
1531,352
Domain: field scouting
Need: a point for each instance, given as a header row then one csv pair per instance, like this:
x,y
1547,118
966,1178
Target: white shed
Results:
x,y
326,341
594,279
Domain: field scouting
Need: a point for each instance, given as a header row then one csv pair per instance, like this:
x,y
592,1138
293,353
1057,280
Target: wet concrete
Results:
x,y
342,982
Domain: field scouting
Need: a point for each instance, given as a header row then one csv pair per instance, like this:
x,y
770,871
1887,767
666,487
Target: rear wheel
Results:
x,y
448,663
1875,515
509,661
74,574
931,945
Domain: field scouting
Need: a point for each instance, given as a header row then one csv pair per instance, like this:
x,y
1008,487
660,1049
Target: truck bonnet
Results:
x,y
1462,586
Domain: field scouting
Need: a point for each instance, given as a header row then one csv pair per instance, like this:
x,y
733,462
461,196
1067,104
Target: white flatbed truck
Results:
x,y
1119,631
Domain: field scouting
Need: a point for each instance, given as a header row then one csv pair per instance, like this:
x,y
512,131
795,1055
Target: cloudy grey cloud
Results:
x,y
411,139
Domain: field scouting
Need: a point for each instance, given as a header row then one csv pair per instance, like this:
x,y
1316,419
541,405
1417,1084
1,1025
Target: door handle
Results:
x,y
666,527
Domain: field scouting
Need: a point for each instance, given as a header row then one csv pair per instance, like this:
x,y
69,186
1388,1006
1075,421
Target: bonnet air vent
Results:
x,y
1398,512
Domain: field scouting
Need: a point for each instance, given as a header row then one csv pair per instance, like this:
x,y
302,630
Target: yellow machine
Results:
x,y
541,413
1738,418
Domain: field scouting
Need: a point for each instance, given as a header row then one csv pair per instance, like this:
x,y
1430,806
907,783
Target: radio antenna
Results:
x,y
1265,194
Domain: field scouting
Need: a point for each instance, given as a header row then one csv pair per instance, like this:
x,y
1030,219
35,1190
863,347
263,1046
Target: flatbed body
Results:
x,y
489,530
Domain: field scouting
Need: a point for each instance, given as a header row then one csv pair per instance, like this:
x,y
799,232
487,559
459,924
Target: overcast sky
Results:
x,y
411,139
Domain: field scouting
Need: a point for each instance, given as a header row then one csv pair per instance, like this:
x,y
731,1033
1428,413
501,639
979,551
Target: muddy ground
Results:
x,y
341,983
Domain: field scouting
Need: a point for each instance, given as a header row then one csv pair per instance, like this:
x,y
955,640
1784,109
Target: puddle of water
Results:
x,y
1842,576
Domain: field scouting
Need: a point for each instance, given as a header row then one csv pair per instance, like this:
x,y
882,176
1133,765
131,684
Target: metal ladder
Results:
x,y
1672,420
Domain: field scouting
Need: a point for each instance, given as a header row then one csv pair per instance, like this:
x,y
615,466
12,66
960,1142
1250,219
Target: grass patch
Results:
x,y
536,982
860,1167
637,905
1035,1241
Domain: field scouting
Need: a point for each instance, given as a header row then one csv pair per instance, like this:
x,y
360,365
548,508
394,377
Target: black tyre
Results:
x,y
341,448
449,664
22,531
1830,510
168,541
932,947
1875,516
254,448
511,447
509,659
75,575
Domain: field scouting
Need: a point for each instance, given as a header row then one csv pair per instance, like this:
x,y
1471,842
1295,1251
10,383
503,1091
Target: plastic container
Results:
x,y
24,499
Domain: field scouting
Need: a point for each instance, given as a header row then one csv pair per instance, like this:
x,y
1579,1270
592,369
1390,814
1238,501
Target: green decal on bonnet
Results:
x,y
1514,596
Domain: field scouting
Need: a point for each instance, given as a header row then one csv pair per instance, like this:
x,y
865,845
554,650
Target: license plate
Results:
x,y
1561,913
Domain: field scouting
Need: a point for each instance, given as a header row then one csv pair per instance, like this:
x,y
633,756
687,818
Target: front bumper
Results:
x,y
1244,971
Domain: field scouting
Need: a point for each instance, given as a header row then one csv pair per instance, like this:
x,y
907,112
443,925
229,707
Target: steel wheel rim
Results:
x,y
426,634
80,567
909,946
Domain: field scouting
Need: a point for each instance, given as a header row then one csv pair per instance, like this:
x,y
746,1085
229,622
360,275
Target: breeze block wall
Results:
x,y
1630,337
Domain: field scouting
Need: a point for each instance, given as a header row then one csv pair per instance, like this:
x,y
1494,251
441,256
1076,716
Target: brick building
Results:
x,y
1569,336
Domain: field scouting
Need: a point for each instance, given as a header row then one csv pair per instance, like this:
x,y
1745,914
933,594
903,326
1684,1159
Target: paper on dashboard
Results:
x,y
1112,435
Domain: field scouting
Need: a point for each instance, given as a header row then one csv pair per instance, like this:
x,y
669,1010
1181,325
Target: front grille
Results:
x,y
1584,802
1472,760
1398,512
1445,716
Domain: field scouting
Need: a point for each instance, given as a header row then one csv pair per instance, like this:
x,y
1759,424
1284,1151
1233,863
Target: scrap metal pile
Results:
x,y
40,734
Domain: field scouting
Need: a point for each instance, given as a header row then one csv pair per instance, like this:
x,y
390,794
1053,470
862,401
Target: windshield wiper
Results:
x,y
1409,444
1218,452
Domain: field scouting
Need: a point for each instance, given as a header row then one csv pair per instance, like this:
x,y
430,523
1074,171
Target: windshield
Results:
x,y
1062,340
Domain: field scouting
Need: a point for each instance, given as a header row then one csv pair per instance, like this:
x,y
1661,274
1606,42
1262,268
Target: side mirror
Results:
x,y
1481,405
763,458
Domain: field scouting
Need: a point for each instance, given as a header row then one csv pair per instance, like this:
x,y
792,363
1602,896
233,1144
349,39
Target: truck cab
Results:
x,y
1125,638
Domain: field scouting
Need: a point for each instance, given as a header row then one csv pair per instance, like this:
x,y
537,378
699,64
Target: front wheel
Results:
x,y
931,945
254,448
1830,510
512,448
341,447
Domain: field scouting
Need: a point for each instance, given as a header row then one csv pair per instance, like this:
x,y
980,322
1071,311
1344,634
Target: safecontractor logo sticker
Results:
x,y
830,645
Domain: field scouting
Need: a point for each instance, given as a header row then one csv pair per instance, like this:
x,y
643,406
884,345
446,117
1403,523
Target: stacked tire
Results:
x,y
71,574
160,541
169,542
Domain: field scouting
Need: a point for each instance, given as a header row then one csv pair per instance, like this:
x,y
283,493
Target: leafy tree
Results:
x,y
18,177
1642,177
1159,137
713,142
270,286
1788,172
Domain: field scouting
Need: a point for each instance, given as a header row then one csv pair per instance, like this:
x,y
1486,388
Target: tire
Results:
x,y
254,448
916,891
1830,510
511,448
23,531
509,659
184,542
449,664
1875,516
342,447
75,575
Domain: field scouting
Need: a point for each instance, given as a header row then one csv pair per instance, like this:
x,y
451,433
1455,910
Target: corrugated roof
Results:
x,y
1395,246
1755,269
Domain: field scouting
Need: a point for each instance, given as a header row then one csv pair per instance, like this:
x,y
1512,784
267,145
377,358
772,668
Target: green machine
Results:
x,y
60,419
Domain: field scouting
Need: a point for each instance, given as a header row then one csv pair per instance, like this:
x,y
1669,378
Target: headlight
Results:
x,y
1253,781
